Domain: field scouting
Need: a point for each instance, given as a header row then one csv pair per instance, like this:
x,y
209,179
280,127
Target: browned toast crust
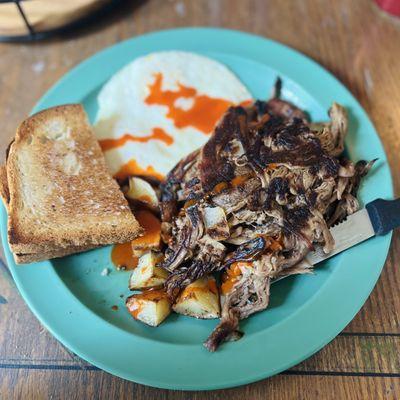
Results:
x,y
34,257
4,193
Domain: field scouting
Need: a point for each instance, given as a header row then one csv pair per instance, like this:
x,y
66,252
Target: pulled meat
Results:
x,y
263,191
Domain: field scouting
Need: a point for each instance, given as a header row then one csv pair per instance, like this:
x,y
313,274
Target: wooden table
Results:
x,y
352,39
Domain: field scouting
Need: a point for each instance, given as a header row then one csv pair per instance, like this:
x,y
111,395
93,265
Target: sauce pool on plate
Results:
x,y
122,255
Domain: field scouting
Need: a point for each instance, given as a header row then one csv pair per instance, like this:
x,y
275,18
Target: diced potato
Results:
x,y
150,306
142,191
215,223
151,239
147,274
200,299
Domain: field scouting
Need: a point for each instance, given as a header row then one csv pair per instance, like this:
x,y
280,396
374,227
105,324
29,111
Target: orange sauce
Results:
x,y
122,256
212,286
135,303
236,181
232,275
134,306
246,103
203,114
220,187
272,166
191,290
145,269
152,230
275,245
152,295
145,198
189,203
135,309
239,180
157,134
133,168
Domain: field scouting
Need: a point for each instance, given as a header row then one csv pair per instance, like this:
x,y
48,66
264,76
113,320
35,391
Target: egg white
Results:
x,y
122,106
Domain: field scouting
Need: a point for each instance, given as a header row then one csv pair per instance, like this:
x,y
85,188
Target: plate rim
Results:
x,y
201,386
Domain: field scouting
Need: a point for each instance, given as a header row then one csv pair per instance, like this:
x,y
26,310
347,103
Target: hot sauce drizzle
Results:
x,y
239,180
203,114
133,168
157,134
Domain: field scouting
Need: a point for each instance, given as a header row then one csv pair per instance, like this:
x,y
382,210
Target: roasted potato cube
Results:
x,y
200,299
151,239
147,274
150,306
142,191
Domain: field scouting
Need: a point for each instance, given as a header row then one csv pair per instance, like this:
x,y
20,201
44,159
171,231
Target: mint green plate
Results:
x,y
73,301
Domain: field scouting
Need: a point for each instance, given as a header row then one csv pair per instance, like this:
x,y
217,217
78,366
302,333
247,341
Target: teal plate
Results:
x,y
73,301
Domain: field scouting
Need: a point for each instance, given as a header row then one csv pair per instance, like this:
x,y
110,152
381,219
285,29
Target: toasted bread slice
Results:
x,y
32,257
4,193
61,195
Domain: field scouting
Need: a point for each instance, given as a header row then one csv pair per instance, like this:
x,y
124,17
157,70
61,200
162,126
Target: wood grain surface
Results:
x,y
356,42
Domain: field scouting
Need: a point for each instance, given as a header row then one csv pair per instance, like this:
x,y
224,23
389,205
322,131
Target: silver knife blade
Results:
x,y
355,229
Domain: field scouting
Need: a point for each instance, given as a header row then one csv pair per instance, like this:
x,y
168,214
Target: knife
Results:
x,y
378,217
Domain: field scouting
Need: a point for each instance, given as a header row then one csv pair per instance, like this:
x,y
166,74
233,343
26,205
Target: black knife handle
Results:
x,y
384,215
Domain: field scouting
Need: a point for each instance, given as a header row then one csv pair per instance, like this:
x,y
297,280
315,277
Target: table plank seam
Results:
x,y
288,372
343,373
50,367
342,334
362,334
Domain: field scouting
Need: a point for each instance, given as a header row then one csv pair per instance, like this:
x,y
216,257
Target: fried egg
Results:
x,y
161,107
